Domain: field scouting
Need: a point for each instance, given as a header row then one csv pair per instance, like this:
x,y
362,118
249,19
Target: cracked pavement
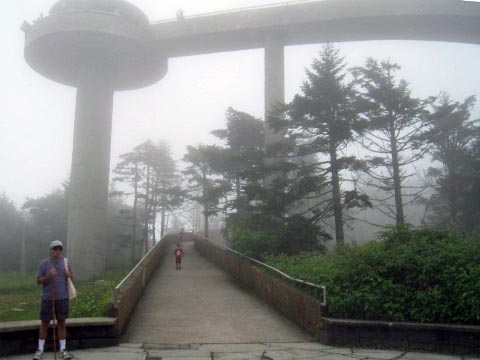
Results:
x,y
250,351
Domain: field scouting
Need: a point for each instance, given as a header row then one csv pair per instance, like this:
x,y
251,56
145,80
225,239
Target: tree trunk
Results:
x,y
23,267
336,195
147,211
134,224
454,223
205,206
237,187
154,227
205,218
397,181
154,208
162,230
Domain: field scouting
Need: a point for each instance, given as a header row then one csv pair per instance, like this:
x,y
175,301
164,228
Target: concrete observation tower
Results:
x,y
97,46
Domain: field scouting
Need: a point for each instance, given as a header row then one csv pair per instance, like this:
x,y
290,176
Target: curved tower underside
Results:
x,y
99,46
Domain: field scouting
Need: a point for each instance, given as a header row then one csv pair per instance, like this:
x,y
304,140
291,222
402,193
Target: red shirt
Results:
x,y
178,253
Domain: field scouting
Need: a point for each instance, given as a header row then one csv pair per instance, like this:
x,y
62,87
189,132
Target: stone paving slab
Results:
x,y
183,358
237,356
423,356
377,354
177,353
261,351
292,353
240,348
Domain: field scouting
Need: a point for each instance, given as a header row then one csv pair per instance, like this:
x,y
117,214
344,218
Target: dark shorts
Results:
x,y
178,260
61,310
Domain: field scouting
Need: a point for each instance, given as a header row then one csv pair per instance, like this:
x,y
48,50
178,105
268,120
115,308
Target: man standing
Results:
x,y
52,275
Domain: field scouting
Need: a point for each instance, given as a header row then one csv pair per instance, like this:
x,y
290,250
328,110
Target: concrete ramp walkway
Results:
x,y
203,304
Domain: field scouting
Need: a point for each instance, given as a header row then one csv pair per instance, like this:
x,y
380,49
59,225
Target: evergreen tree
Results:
x,y
394,121
321,121
151,173
49,218
454,140
205,188
130,171
146,152
11,224
166,193
240,160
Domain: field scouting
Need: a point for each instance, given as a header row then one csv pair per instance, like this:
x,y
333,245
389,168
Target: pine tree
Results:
x,y
205,188
454,140
240,160
321,121
130,171
394,121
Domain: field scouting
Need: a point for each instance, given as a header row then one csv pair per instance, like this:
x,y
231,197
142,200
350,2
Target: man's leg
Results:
x,y
45,317
41,339
62,336
62,330
43,330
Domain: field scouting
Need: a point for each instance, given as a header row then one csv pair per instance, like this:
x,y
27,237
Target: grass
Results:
x,y
20,296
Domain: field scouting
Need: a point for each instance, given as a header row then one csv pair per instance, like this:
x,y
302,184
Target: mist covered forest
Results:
x,y
358,153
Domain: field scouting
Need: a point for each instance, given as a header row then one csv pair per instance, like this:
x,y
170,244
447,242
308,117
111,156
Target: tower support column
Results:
x,y
89,180
274,88
274,82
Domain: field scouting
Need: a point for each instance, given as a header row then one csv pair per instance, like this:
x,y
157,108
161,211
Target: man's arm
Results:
x,y
41,280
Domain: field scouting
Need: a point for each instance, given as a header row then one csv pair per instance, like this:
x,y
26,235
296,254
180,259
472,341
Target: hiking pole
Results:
x,y
54,317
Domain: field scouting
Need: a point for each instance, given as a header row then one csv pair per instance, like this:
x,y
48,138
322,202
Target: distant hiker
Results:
x,y
178,253
52,275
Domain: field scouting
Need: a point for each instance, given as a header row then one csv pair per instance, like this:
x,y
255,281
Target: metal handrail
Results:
x,y
303,282
140,263
234,10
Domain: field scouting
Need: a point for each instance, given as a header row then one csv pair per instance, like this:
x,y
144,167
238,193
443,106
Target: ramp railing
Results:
x,y
278,4
315,289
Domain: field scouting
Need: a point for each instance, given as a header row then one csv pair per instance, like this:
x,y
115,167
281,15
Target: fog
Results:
x,y
36,127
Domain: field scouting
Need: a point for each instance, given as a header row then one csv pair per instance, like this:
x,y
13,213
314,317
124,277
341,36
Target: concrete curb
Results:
x,y
18,337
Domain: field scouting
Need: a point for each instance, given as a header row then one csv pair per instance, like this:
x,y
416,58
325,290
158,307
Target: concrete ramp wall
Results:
x,y
295,304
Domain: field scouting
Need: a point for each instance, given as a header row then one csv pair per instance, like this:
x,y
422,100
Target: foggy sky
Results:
x,y
36,122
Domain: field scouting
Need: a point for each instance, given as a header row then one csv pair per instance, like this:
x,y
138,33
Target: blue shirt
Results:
x,y
60,281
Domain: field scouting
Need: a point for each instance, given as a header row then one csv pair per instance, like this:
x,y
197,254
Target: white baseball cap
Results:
x,y
56,243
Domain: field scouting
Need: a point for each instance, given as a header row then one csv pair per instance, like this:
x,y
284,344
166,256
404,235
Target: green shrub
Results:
x,y
93,296
408,274
256,235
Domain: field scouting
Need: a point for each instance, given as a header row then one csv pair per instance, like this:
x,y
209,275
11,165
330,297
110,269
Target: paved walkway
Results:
x,y
206,316
202,304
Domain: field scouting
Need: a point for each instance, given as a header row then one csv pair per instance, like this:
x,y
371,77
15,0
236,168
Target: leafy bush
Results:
x,y
256,235
408,274
93,296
